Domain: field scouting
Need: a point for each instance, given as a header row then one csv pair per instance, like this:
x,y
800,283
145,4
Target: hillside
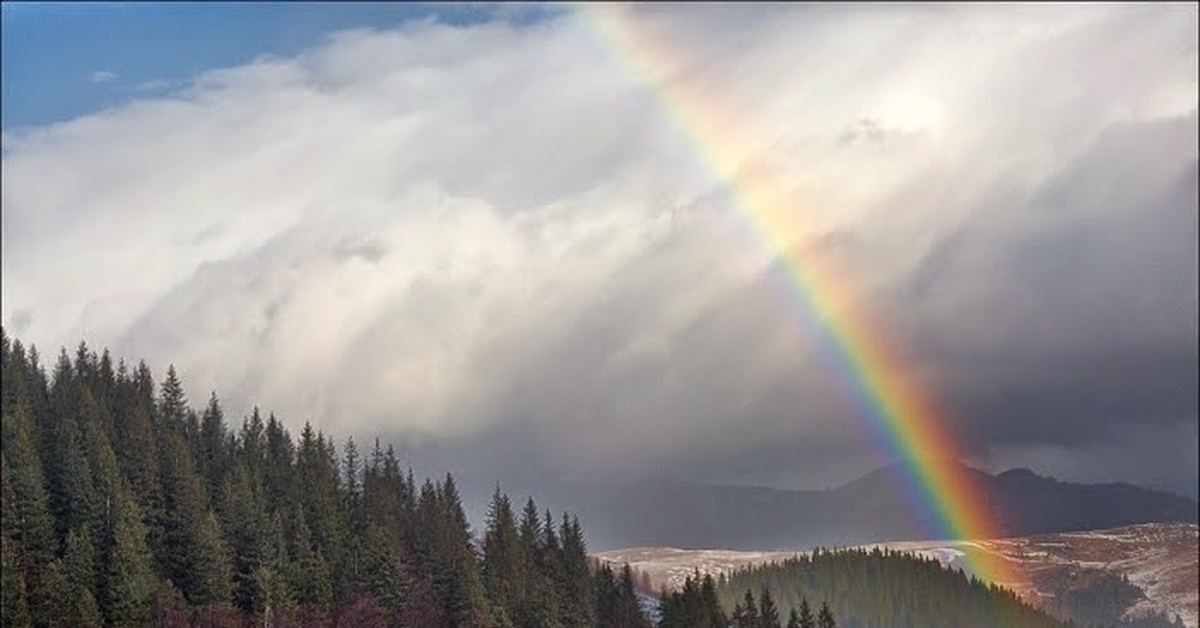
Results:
x,y
880,588
1159,561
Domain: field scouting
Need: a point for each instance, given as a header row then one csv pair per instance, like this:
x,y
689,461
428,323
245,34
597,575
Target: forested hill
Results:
x,y
880,589
124,506
889,589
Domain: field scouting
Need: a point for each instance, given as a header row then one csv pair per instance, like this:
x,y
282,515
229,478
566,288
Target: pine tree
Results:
x,y
576,589
25,516
274,576
72,495
53,584
383,569
793,619
749,617
534,606
83,609
352,472
80,562
14,609
246,527
551,570
710,606
310,577
806,617
500,553
252,443
460,588
211,463
136,448
738,617
768,615
280,471
129,586
629,612
183,516
172,404
825,617
211,573
324,507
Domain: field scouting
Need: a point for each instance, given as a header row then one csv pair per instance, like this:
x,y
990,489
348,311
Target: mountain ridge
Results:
x,y
880,505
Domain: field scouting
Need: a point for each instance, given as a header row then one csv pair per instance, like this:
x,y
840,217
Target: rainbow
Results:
x,y
899,411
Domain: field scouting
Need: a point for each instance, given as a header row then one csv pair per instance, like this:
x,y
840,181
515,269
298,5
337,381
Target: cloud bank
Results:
x,y
495,243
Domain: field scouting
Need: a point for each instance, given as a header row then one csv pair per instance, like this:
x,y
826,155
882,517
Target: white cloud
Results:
x,y
102,76
154,85
436,231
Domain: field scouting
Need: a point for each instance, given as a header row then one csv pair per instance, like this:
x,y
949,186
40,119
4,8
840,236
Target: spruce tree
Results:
x,y
183,514
26,516
768,615
211,464
324,507
383,569
72,495
825,617
749,617
130,584
211,572
461,588
577,593
500,567
80,562
14,609
310,577
534,605
280,471
83,608
352,472
52,583
806,617
245,525
711,607
629,609
136,449
172,404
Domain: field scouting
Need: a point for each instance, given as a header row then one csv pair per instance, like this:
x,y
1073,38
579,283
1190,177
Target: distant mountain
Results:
x,y
1031,504
879,506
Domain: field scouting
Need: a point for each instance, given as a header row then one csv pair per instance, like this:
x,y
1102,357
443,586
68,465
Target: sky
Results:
x,y
485,234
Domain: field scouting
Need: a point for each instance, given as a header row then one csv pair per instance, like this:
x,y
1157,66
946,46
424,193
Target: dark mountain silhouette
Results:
x,y
883,505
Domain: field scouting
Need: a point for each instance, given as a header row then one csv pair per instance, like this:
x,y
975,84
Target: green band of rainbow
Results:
x,y
901,411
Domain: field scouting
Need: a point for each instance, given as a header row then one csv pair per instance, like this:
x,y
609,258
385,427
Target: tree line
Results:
x,y
697,605
124,506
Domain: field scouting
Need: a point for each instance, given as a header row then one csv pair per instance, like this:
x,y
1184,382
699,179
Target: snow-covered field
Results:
x,y
668,566
1161,559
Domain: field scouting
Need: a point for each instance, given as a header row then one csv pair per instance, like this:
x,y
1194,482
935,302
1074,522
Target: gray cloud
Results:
x,y
495,244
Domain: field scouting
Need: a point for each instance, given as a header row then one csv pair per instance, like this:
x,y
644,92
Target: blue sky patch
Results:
x,y
64,60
